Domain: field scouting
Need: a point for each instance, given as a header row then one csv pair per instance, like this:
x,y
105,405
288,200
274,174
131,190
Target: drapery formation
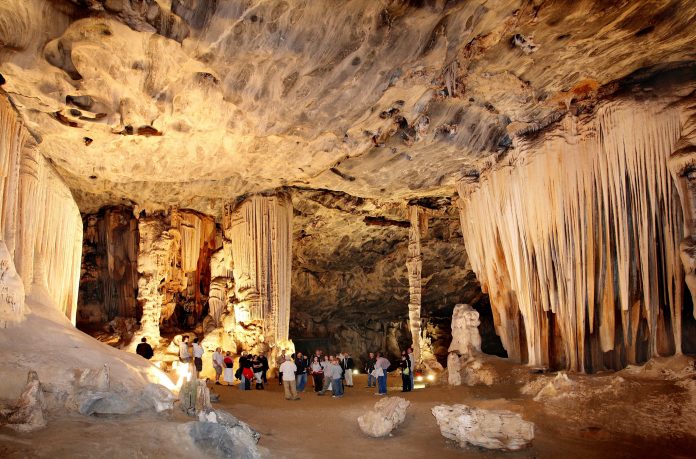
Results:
x,y
39,220
260,230
577,243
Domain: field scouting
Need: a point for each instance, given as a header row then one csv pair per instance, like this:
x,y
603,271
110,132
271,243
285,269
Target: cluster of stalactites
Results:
x,y
40,222
260,231
577,243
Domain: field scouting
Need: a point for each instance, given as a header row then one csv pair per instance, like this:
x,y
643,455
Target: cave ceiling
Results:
x,y
196,102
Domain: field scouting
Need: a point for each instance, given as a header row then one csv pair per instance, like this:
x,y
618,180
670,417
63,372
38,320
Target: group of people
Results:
x,y
377,367
328,372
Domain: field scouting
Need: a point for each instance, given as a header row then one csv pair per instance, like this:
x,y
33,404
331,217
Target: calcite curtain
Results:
x,y
576,239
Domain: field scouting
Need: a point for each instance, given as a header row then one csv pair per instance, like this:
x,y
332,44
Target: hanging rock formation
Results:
x,y
260,229
40,223
577,244
109,280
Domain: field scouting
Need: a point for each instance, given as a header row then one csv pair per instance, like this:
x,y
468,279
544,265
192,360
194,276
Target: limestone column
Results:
x,y
260,230
414,264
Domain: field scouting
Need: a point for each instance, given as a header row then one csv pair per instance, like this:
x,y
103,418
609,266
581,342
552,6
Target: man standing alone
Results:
x,y
144,349
218,364
287,369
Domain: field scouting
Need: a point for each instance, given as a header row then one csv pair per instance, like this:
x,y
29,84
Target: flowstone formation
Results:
x,y
386,416
260,229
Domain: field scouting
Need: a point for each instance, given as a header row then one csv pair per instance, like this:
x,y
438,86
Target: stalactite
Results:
x,y
260,229
581,233
40,222
109,280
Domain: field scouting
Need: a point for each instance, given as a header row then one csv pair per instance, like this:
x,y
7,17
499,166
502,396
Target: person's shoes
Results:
x,y
296,398
218,383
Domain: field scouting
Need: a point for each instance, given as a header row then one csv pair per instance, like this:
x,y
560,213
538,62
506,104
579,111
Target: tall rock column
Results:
x,y
414,264
260,230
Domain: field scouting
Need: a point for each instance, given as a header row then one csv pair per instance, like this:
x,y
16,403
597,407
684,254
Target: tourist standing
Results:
x,y
317,374
264,367
381,367
257,367
243,364
412,360
143,349
301,372
184,354
228,361
287,370
348,369
405,366
197,355
336,379
279,361
218,364
369,369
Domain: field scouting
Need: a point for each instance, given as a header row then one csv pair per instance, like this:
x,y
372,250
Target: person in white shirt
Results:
x,y
184,354
288,369
218,364
197,355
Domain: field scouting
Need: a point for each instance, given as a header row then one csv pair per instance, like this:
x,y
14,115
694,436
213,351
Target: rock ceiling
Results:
x,y
195,102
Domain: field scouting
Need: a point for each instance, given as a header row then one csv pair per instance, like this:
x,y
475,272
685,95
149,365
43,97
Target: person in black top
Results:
x,y
405,365
369,368
257,367
301,374
144,349
264,369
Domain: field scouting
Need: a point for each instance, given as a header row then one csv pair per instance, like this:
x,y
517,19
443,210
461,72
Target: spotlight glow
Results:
x,y
184,371
419,378
356,372
431,377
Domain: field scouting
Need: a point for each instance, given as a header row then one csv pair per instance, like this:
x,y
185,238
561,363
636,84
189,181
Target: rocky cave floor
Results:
x,y
639,412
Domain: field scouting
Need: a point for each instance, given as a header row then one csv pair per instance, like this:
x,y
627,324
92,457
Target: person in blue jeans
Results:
x,y
301,374
336,379
381,365
412,360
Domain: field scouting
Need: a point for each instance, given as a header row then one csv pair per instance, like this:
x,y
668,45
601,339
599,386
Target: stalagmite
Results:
x,y
260,229
577,243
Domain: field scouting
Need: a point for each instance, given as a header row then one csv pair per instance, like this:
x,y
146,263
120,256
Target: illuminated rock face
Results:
x,y
260,229
40,225
576,240
173,260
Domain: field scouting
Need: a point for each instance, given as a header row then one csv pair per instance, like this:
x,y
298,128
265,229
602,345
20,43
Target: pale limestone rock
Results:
x,y
260,228
466,339
453,367
12,308
561,383
159,397
491,429
27,414
386,416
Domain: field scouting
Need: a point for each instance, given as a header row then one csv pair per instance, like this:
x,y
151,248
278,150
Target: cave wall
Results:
x,y
350,286
576,239
40,223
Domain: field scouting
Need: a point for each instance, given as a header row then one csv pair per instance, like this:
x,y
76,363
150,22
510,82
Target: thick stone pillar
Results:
x,y
260,230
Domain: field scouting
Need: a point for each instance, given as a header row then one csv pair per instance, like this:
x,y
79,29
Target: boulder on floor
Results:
x,y
387,414
220,434
27,414
492,429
